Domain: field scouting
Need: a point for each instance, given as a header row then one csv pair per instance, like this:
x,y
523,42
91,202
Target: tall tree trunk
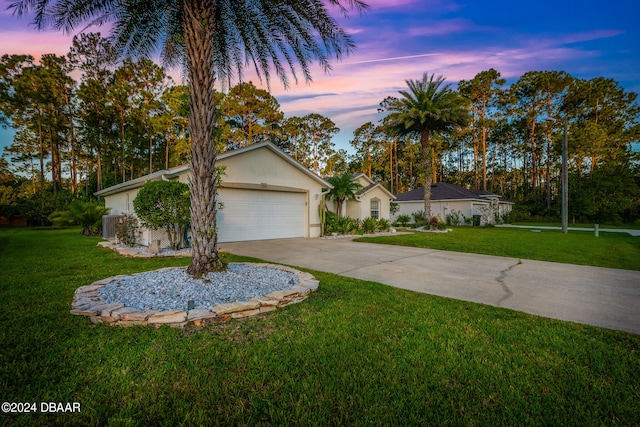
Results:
x,y
534,157
166,153
203,183
548,170
474,138
391,166
397,175
426,149
594,159
99,173
434,169
484,144
72,142
41,154
123,164
493,167
150,150
54,162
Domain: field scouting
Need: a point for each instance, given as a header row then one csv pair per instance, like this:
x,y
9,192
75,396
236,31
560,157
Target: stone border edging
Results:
x,y
132,253
87,302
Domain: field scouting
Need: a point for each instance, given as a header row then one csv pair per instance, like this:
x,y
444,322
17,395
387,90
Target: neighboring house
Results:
x,y
448,199
266,194
373,202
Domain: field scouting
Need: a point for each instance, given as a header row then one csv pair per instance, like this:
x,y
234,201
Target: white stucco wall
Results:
x,y
255,169
361,207
262,169
442,208
438,208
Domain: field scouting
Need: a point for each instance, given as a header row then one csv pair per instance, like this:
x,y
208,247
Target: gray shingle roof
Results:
x,y
444,191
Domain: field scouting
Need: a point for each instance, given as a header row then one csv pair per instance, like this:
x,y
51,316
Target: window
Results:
x,y
375,208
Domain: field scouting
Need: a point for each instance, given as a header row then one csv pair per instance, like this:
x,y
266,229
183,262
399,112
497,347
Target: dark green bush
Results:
x,y
403,220
165,205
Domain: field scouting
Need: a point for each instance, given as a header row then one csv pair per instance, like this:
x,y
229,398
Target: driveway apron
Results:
x,y
596,296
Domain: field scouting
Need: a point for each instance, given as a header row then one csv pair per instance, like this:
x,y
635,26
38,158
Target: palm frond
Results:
x,y
281,37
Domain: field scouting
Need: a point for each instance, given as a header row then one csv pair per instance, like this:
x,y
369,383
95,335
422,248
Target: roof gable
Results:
x,y
369,185
176,171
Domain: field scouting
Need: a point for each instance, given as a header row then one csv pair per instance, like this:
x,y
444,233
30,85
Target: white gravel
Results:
x,y
172,289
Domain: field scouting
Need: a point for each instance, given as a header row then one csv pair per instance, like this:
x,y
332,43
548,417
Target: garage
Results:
x,y
260,215
266,194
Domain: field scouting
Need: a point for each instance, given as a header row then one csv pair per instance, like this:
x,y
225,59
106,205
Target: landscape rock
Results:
x,y
162,317
311,284
117,314
137,316
87,302
266,302
234,307
243,314
200,313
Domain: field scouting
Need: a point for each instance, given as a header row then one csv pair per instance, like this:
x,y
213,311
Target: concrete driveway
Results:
x,y
596,296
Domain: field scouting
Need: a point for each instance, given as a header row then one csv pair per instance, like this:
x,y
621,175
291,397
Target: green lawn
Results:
x,y
582,225
354,352
614,250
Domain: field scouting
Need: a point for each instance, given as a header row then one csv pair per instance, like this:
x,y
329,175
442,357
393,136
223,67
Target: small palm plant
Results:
x,y
344,188
87,214
369,225
403,220
384,224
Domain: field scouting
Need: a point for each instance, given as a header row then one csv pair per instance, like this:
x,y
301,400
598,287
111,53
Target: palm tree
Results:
x,y
211,39
428,106
344,188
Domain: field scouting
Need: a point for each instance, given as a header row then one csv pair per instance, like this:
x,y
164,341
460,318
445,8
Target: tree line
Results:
x,y
124,120
485,136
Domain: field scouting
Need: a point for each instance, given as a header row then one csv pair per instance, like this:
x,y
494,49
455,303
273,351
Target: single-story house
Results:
x,y
266,194
482,207
374,201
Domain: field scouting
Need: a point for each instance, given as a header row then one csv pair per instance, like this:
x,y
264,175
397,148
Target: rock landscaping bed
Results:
x,y
89,301
168,296
332,236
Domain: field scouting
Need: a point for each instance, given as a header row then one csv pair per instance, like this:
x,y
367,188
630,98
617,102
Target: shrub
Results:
x,y
403,220
87,214
455,218
418,217
369,225
433,222
43,203
346,225
165,205
330,222
384,224
127,229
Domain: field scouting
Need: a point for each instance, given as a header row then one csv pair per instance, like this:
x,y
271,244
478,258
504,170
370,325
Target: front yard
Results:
x,y
353,353
613,250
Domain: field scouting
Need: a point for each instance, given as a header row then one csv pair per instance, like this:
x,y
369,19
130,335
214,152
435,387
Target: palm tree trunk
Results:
x,y
203,183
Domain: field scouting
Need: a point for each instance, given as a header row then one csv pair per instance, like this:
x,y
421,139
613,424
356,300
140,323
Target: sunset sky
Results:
x,y
401,39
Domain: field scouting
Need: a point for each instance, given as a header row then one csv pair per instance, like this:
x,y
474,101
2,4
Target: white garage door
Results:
x,y
260,215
